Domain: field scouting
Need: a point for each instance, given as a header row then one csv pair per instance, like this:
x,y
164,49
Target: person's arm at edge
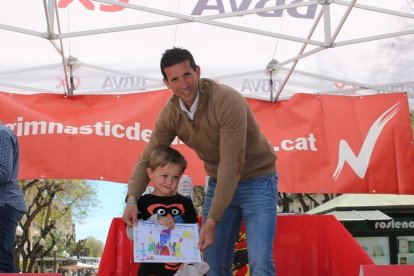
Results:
x,y
6,155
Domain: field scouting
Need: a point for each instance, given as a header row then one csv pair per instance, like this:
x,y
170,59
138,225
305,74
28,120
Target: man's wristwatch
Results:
x,y
130,201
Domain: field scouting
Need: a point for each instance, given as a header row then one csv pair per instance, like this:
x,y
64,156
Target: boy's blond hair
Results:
x,y
163,155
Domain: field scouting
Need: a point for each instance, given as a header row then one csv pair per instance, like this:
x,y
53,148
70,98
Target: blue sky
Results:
x,y
112,202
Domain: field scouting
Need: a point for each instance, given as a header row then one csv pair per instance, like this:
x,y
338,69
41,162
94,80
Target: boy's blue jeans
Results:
x,y
254,202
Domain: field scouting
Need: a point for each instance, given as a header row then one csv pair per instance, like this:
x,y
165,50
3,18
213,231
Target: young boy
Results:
x,y
164,205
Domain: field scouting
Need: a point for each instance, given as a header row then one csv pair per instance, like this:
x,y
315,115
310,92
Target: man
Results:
x,y
12,204
216,121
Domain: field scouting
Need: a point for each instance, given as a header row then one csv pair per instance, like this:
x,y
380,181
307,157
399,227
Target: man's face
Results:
x,y
183,81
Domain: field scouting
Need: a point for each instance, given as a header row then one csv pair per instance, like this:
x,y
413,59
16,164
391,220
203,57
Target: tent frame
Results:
x,y
51,12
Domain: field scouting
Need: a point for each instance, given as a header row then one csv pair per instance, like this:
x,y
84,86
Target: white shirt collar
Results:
x,y
193,108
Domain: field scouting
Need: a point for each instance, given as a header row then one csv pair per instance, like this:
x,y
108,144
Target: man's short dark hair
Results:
x,y
174,56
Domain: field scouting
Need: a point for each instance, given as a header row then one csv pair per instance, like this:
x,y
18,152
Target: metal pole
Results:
x,y
41,261
54,262
18,255
19,234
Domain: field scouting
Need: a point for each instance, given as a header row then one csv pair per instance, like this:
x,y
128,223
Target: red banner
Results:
x,y
386,270
324,143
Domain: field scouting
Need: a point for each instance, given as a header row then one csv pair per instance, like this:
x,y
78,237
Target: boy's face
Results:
x,y
165,179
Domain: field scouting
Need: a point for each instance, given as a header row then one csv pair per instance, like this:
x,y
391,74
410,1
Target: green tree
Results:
x,y
53,206
286,199
95,246
199,195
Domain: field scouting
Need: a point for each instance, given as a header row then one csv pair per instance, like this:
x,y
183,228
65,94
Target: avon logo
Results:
x,y
359,163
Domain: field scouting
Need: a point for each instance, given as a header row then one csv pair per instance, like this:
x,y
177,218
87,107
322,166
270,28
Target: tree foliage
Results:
x,y
305,200
199,195
285,200
95,246
52,207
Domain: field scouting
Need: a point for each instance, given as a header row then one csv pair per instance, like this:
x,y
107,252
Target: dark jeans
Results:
x,y
9,218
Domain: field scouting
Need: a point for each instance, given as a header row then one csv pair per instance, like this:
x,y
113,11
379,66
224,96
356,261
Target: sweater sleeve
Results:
x,y
163,134
6,157
232,112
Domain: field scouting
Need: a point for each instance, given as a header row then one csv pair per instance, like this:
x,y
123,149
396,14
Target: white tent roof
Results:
x,y
359,215
367,201
79,265
324,46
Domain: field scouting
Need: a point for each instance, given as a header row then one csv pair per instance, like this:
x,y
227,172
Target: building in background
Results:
x,y
382,224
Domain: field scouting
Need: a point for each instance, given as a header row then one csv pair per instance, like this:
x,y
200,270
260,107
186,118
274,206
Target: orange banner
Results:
x,y
324,143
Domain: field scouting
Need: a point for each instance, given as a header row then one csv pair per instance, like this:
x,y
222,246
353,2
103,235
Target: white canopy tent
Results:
x,y
80,266
79,47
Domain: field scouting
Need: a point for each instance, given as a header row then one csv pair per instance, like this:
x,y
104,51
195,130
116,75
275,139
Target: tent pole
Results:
x,y
341,23
215,23
68,91
375,9
20,30
28,88
28,69
329,40
389,87
295,62
327,22
176,21
50,17
375,37
101,68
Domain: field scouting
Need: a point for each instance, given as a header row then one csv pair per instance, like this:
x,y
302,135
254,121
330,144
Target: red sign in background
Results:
x,y
387,270
324,143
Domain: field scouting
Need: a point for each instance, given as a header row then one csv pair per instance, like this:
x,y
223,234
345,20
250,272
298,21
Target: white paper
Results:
x,y
154,244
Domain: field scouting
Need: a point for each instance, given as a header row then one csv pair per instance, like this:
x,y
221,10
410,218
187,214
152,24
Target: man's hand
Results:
x,y
130,216
207,234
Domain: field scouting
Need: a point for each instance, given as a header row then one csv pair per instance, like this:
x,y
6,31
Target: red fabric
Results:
x,y
316,245
387,270
117,257
312,136
311,245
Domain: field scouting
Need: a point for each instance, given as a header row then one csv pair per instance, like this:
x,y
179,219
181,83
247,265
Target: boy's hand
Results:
x,y
167,221
207,234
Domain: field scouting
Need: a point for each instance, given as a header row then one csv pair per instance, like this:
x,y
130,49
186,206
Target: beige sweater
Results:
x,y
225,136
